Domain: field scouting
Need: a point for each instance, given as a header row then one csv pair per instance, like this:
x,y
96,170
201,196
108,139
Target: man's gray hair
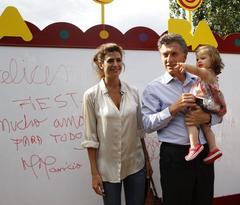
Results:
x,y
169,38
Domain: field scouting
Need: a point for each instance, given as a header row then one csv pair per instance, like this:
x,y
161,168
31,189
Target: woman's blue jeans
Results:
x,y
134,189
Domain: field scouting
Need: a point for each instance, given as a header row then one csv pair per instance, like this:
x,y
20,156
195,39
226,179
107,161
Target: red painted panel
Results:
x,y
66,35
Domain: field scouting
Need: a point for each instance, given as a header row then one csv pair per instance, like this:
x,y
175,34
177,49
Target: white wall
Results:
x,y
43,163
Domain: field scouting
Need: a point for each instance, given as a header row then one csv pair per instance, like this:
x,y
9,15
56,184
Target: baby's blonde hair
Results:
x,y
216,62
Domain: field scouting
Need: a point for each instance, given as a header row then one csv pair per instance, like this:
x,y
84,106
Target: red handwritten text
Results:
x,y
37,164
9,126
66,137
43,103
27,141
71,121
152,145
67,167
40,75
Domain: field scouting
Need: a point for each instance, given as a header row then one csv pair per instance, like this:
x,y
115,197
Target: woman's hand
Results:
x,y
97,184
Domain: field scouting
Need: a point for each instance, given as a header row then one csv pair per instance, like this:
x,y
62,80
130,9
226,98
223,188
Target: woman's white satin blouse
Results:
x,y
114,132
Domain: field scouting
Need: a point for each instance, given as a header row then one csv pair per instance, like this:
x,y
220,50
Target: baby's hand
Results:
x,y
181,67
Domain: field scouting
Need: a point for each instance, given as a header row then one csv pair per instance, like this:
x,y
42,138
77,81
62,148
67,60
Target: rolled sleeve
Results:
x,y
88,143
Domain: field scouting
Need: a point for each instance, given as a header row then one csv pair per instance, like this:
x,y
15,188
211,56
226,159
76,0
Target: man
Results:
x,y
165,103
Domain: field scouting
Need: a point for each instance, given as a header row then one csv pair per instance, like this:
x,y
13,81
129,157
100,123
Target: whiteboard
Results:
x,y
41,124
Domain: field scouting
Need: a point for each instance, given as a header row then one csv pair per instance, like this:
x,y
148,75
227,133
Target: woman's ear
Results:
x,y
100,65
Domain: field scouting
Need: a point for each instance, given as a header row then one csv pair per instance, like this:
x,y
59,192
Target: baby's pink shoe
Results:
x,y
212,156
193,152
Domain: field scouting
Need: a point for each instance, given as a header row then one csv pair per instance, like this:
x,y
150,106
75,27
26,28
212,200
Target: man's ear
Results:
x,y
185,58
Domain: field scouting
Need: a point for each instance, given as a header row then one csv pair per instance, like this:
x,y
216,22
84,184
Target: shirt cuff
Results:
x,y
165,114
92,144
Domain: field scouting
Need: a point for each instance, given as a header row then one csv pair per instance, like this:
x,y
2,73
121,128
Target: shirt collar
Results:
x,y
167,78
105,90
190,78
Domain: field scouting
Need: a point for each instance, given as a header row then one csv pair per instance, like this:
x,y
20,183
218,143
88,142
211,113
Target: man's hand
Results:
x,y
197,117
187,100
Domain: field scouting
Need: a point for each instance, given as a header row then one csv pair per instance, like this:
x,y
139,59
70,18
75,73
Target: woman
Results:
x,y
113,132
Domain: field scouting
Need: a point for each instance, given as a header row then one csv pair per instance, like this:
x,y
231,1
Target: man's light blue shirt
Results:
x,y
157,97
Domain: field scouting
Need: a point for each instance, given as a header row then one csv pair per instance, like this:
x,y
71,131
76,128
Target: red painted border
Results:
x,y
66,35
227,200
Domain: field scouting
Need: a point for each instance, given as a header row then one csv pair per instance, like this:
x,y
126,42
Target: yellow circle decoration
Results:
x,y
103,34
190,5
103,1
